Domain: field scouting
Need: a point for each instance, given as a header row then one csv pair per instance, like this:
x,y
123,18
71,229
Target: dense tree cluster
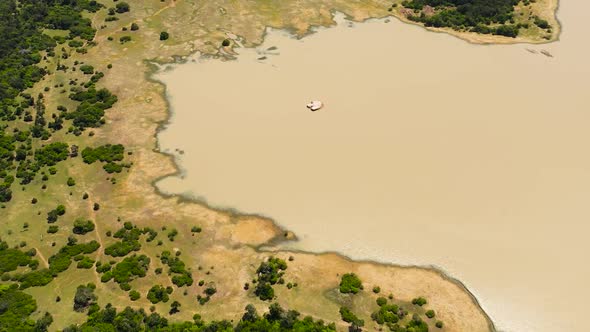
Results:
x,y
23,48
16,308
392,316
90,112
11,259
158,294
129,236
482,16
387,313
349,317
63,258
276,319
51,154
180,275
128,269
269,273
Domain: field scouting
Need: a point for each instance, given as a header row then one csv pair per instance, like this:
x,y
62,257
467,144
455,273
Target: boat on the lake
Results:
x,y
315,105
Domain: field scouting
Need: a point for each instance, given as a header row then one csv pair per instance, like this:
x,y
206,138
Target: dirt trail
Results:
x,y
41,257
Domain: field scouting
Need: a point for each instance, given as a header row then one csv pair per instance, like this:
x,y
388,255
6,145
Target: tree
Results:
x,y
84,297
87,69
419,301
134,27
134,295
122,7
350,284
157,294
164,35
82,226
174,307
250,315
43,323
264,291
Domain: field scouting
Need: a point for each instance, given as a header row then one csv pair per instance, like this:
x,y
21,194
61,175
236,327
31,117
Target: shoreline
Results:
x,y
280,231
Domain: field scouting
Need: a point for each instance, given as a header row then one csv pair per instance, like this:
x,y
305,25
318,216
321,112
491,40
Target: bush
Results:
x,y
264,291
52,229
419,301
134,295
349,317
439,324
51,154
84,297
87,69
225,43
350,284
82,226
131,268
157,294
376,289
85,263
125,39
164,35
122,7
430,313
381,301
134,27
71,182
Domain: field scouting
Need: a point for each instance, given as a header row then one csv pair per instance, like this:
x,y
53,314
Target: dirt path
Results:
x,y
41,257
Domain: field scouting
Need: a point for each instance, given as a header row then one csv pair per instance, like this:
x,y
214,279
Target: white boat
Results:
x,y
315,105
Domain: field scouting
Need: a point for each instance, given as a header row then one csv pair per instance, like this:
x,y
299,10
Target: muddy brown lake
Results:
x,y
428,151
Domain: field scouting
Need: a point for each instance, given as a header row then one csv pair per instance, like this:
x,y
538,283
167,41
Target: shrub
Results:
x,y
85,263
87,69
122,7
381,301
174,307
84,297
430,313
131,268
82,226
350,283
172,234
157,294
134,295
376,289
225,43
264,291
125,39
51,154
164,35
71,182
419,301
350,317
439,324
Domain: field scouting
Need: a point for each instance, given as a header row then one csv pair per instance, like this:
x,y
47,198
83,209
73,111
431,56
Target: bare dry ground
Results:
x,y
226,252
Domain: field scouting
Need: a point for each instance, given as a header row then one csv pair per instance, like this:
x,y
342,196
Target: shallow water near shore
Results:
x,y
428,151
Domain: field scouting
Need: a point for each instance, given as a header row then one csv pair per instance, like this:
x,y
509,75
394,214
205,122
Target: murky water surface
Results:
x,y
429,150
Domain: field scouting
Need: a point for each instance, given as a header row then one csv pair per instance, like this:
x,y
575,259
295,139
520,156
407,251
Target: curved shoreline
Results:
x,y
280,230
